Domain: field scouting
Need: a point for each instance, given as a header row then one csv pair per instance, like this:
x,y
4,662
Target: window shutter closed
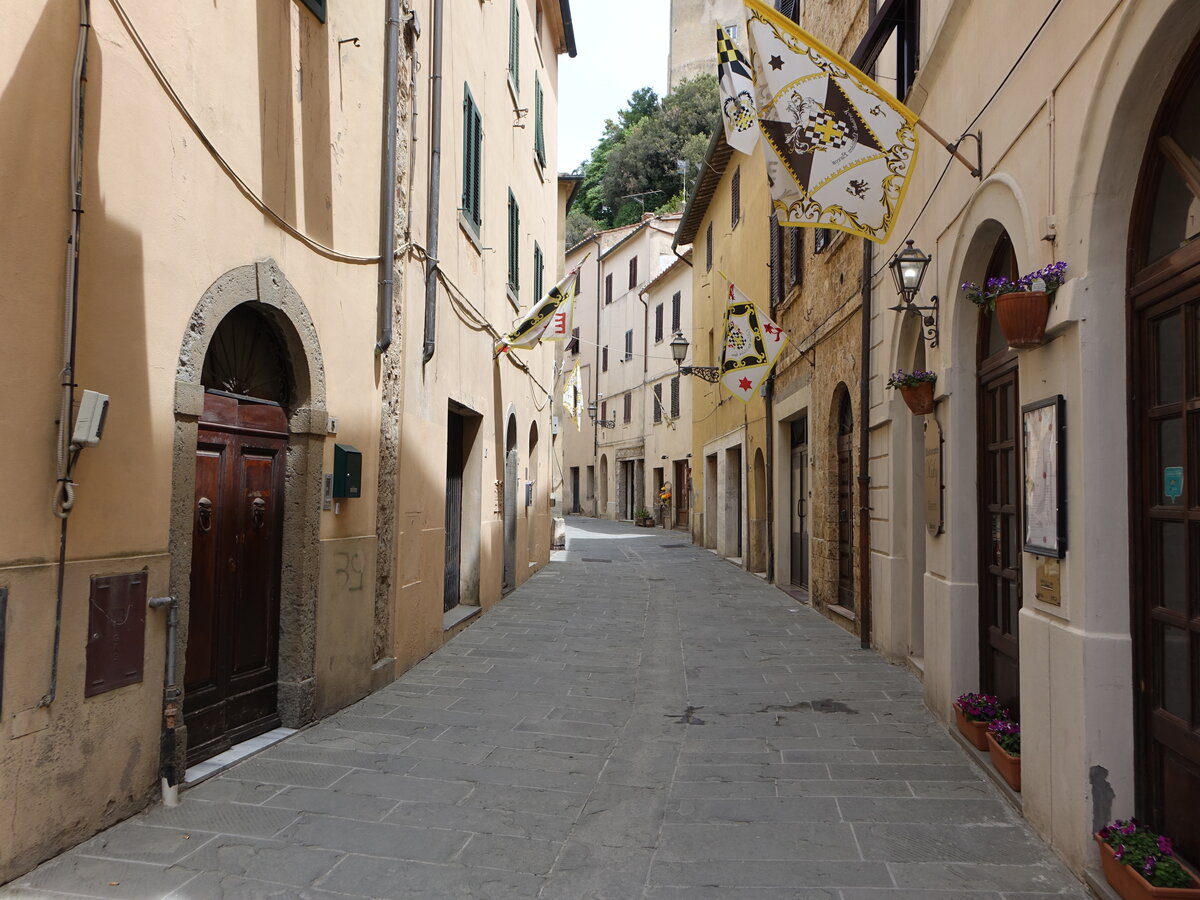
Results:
x,y
633,272
628,408
658,403
472,159
538,273
658,323
675,397
608,288
604,359
539,127
708,249
676,305
795,256
735,211
776,261
514,231
514,46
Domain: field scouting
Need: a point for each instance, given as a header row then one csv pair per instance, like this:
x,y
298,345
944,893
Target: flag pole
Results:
x,y
973,168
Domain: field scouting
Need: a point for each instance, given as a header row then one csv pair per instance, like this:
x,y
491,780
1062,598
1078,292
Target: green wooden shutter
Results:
x,y
538,266
514,46
539,128
514,230
472,160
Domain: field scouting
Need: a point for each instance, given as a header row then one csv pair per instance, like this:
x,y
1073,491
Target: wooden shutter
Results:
x,y
608,288
795,256
514,231
514,46
675,397
776,261
628,408
820,239
676,305
603,360
633,272
472,159
603,410
539,126
708,249
735,205
629,344
658,403
658,323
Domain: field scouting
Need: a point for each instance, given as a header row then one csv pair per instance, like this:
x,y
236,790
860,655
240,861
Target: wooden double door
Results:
x,y
231,663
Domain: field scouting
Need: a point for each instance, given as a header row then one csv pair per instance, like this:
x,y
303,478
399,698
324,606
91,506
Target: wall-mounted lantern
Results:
x,y
603,423
679,349
908,270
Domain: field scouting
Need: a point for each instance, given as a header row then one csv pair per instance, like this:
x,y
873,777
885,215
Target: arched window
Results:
x,y
247,357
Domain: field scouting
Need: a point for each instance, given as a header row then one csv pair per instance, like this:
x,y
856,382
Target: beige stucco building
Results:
x,y
274,454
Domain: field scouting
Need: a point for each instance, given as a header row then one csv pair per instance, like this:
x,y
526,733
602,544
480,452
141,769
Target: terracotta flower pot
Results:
x,y
1130,884
975,732
919,397
1006,764
1022,316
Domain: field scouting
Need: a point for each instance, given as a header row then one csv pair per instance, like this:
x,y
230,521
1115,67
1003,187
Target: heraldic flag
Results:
x,y
752,344
549,319
839,147
573,397
737,95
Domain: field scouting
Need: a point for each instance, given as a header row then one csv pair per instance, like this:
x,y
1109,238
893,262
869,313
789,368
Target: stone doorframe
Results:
x,y
264,285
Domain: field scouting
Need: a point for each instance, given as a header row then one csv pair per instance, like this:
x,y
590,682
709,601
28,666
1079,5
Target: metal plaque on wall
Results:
x,y
934,489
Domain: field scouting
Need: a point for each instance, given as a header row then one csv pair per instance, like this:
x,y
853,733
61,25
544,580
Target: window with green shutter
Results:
x,y
472,191
514,235
514,46
539,126
538,266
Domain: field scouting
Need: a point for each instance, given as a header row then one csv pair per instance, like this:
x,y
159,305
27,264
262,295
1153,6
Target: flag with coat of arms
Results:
x,y
752,344
839,148
573,397
549,319
736,81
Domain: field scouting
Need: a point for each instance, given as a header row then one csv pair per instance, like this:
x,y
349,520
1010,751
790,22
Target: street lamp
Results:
x,y
908,271
679,349
603,423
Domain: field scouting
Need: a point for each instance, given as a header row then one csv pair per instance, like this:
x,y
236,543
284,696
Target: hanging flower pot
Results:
x,y
1022,316
1139,864
916,388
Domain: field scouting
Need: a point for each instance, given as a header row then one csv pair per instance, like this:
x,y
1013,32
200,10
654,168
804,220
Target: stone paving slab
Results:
x,y
662,726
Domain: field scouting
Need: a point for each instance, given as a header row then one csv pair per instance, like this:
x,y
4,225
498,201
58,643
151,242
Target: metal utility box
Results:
x,y
347,472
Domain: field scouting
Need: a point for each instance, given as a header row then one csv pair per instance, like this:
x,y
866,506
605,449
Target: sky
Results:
x,y
623,46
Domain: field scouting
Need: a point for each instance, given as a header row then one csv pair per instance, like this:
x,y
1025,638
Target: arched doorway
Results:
x,y
250,395
999,501
512,466
231,666
845,498
1164,300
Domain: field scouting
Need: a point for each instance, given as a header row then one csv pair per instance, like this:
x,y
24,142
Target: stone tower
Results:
x,y
693,38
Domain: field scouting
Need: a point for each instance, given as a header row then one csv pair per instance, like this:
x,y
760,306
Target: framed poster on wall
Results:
x,y
1042,427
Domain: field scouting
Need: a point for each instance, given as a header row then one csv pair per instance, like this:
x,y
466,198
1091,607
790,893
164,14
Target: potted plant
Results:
x,y
1004,746
973,712
1139,863
1022,306
642,516
916,388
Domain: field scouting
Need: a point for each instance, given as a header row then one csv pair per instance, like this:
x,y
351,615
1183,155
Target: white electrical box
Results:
x,y
89,422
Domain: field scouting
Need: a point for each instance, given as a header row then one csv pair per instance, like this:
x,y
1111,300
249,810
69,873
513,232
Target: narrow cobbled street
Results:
x,y
639,720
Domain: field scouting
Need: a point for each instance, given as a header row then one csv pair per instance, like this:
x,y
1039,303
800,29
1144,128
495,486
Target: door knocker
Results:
x,y
258,511
205,506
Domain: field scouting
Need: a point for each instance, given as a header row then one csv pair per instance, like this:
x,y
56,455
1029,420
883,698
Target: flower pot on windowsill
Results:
x,y
918,397
975,732
1006,764
1022,316
1129,883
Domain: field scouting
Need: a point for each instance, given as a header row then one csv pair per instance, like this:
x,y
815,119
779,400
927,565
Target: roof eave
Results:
x,y
716,158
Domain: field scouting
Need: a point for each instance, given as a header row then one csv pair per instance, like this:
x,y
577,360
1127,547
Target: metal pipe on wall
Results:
x,y
387,180
435,184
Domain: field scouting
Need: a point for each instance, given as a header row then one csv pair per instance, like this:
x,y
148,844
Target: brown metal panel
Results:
x,y
116,632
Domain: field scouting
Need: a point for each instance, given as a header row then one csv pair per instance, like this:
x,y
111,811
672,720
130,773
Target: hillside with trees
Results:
x,y
647,159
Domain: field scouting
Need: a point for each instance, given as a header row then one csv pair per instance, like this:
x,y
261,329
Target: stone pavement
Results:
x,y
643,720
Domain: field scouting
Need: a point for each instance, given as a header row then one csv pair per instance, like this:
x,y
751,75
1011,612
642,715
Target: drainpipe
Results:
x,y
435,184
387,181
168,773
864,456
596,388
64,488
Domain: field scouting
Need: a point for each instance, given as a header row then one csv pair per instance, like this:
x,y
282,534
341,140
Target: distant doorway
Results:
x,y
575,507
845,500
512,466
799,502
679,492
451,591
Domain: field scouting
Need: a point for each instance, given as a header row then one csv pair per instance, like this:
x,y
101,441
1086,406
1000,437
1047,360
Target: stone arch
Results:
x,y
263,285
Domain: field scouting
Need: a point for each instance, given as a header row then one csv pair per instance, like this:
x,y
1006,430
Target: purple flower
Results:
x,y
1119,853
1148,866
1164,845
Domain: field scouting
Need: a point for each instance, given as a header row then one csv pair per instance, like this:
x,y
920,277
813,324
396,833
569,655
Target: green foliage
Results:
x,y
637,154
580,226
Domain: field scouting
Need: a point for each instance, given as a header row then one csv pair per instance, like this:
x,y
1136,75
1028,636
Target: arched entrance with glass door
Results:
x,y
1164,304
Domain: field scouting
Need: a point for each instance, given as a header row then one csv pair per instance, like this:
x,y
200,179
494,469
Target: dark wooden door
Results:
x,y
800,516
845,525
1166,604
1000,530
233,619
575,507
454,500
679,492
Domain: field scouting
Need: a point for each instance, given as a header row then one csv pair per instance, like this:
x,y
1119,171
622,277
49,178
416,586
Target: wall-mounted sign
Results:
x,y
1048,582
1045,480
934,488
